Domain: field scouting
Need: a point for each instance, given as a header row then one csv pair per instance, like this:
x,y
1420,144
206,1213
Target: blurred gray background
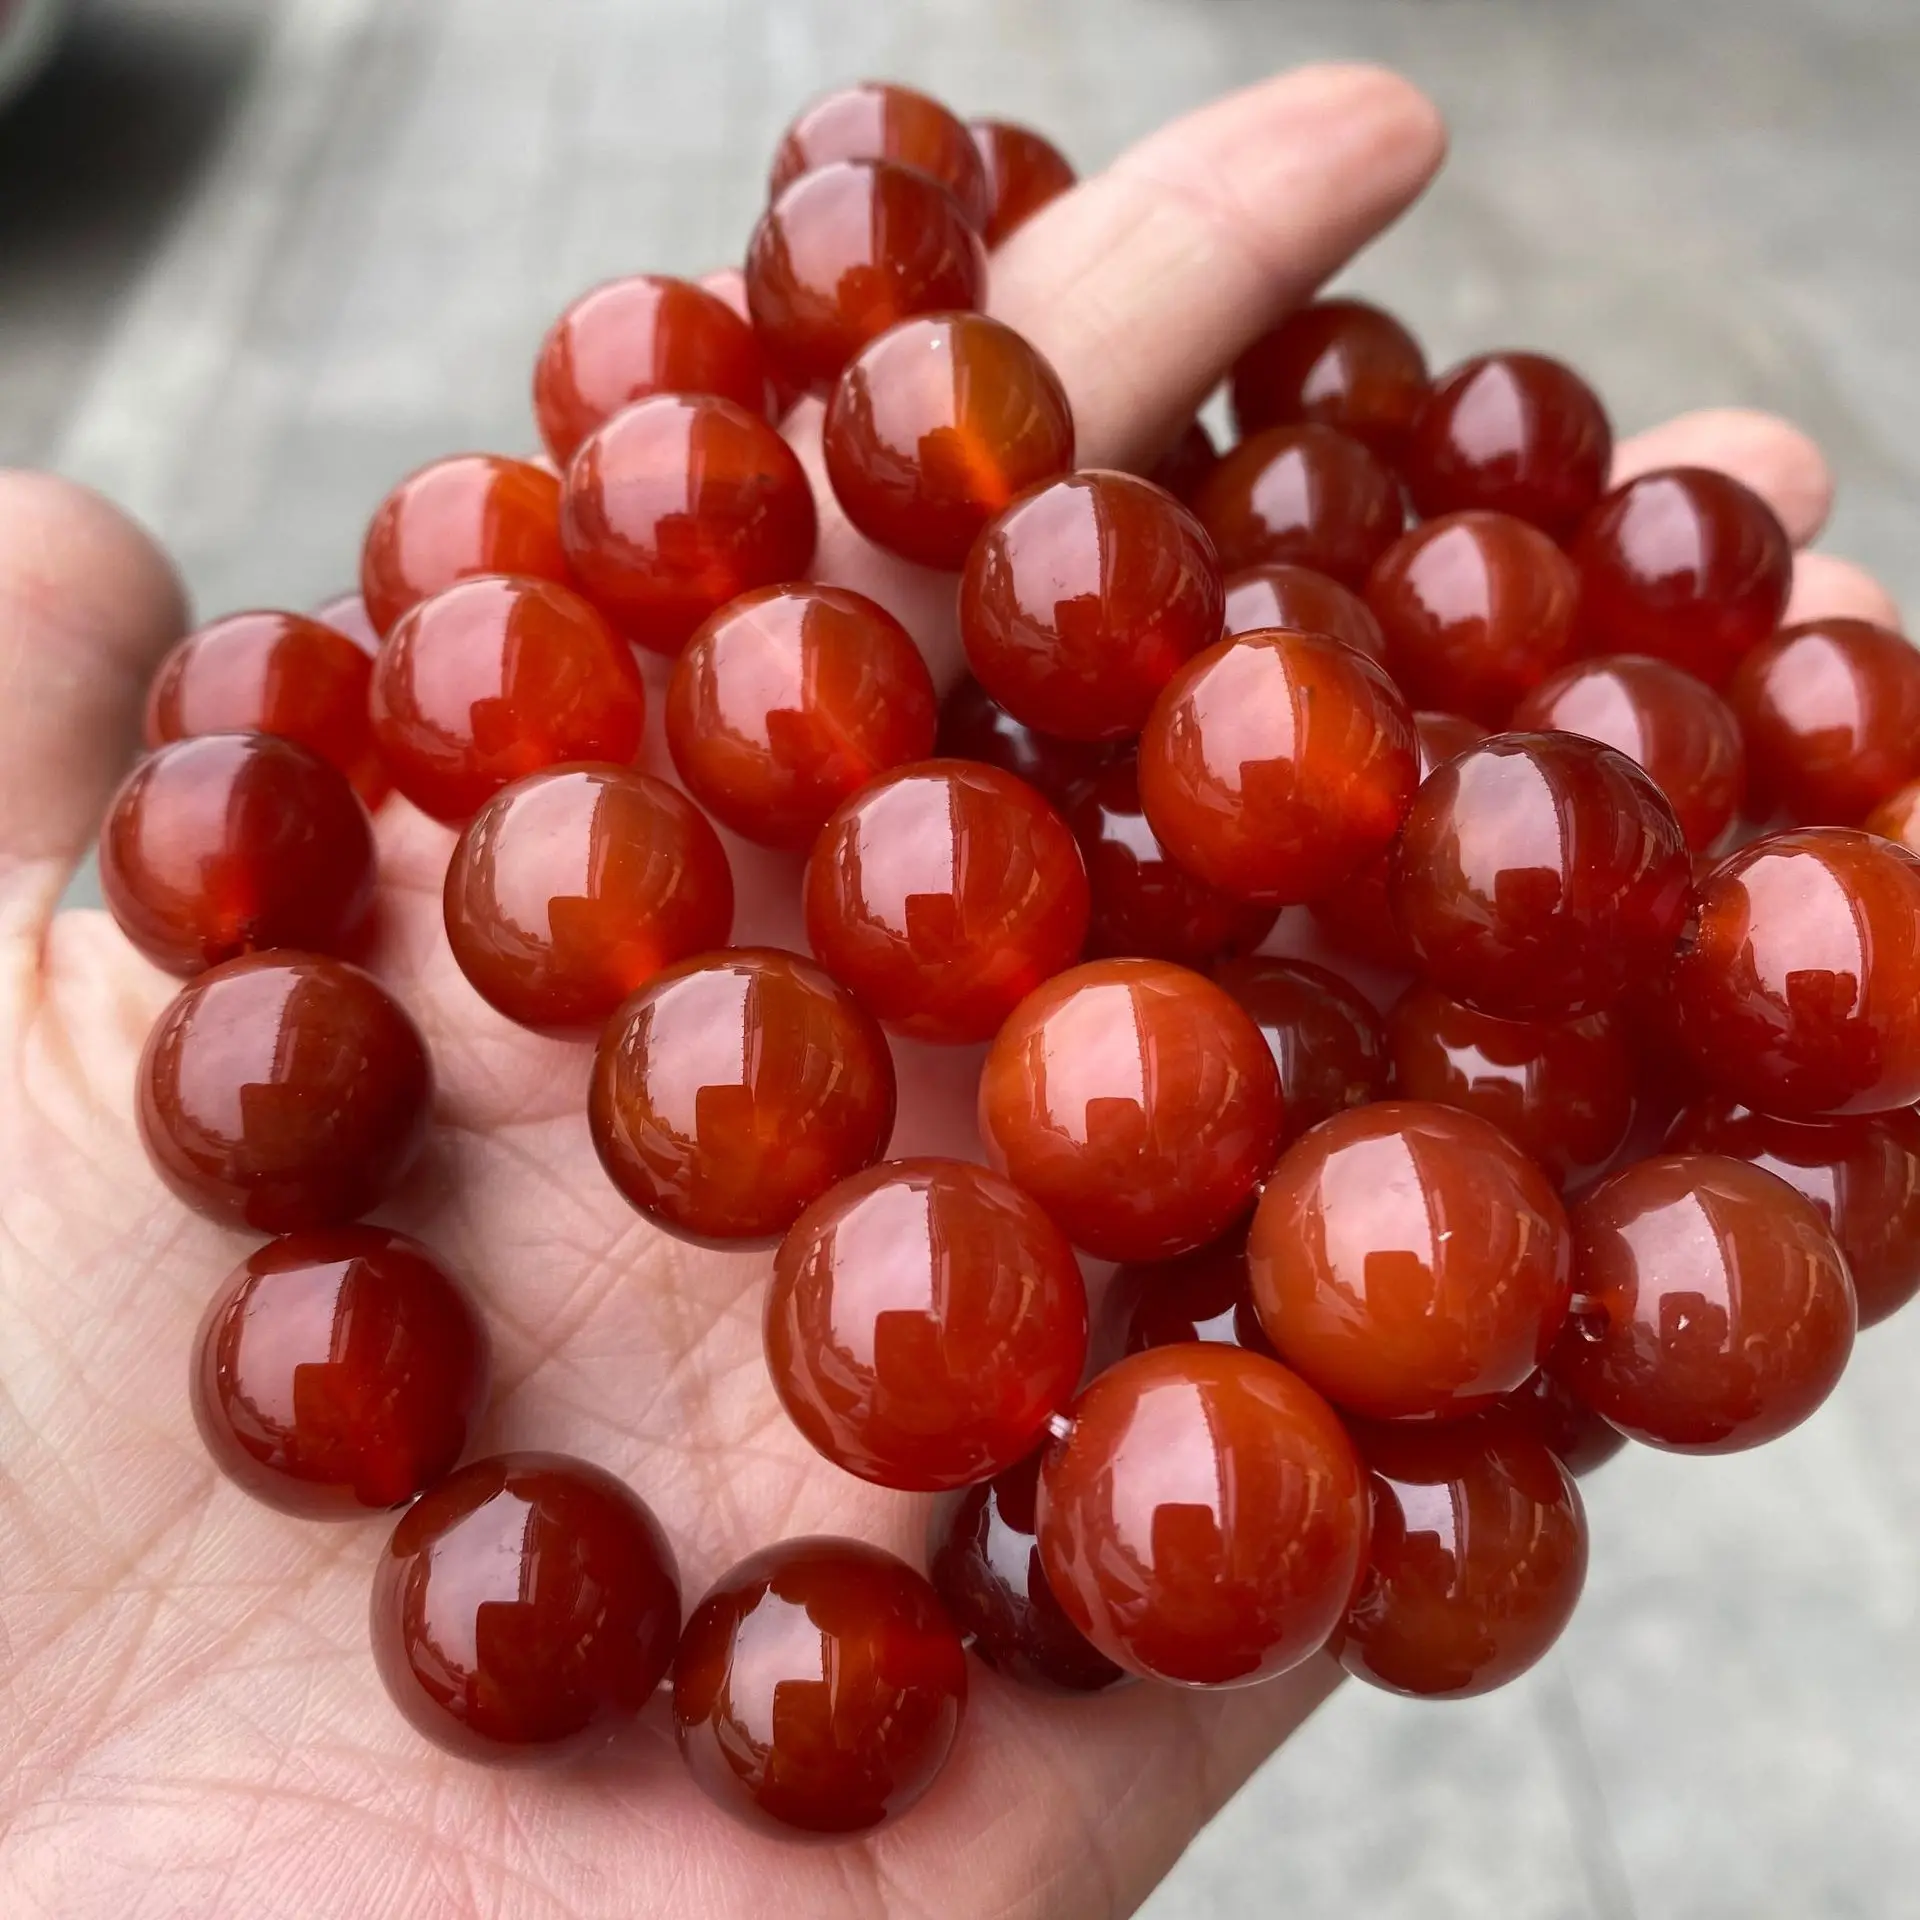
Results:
x,y
257,260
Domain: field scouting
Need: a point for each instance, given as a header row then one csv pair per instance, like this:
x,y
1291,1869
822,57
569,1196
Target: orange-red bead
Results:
x,y
1025,172
1545,1410
1307,602
882,120
1341,363
1325,1037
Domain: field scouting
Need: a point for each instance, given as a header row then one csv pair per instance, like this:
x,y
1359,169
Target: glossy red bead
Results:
x,y
975,726
1325,1036
339,1372
678,505
1545,1410
1205,1295
525,1610
283,1091
924,1322
789,701
1514,433
1540,875
1340,363
733,1090
1713,1309
818,1689
935,426
1081,601
1136,1102
1304,601
235,843
1183,469
882,120
1205,1518
1275,765
495,679
1025,172
849,250
1686,564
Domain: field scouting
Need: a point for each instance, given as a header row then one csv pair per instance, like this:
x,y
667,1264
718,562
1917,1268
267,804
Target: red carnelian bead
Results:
x,y
1799,991
1574,1434
495,679
678,505
1476,609
818,1688
1205,1295
571,888
1342,363
1410,1260
1476,1559
347,613
1136,1102
1831,714
1183,469
1080,602
1686,564
1897,817
935,426
1713,1308
283,1091
1277,764
470,514
881,120
924,1322
1145,904
1305,496
233,843
1025,172
1514,433
789,701
848,251
635,337
1205,1518
1325,1037
1539,875
1863,1174
732,1091
339,1372
525,1609
1660,717
277,673
984,1564
974,726
1562,1092
1303,601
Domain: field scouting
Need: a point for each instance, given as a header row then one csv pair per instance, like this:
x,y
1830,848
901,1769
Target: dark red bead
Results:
x,y
882,120
1341,363
1183,469
1304,601
974,726
1025,172
1574,1434
1205,1295
1325,1036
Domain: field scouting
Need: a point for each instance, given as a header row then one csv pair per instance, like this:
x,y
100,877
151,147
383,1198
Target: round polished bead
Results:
x,y
1713,1307
818,1689
1079,603
339,1372
279,673
284,1091
1799,989
942,895
789,701
974,726
924,1322
471,514
1476,609
1304,496
1476,1560
495,679
525,1610
1686,564
678,505
1136,1102
1303,601
631,338
1025,172
1539,875
233,843
1514,433
1897,817
848,251
1205,1518
1341,363
1562,1091
984,1563
347,613
1546,1411
1205,1295
1661,718
1183,469
1275,765
1325,1036
1409,1260
882,120
571,888
732,1091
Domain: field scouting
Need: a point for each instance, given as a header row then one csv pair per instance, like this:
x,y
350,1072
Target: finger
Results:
x,y
1775,459
1825,588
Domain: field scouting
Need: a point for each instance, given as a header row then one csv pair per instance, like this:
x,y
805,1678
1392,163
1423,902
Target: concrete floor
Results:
x,y
257,261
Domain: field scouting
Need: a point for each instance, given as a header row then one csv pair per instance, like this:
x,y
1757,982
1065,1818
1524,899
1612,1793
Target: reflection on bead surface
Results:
x,y
1898,817
1544,1410
1204,1520
1325,1037
974,726
1342,363
1025,172
525,1609
339,1372
1305,601
283,1091
819,1688
1136,1102
1205,1295
881,120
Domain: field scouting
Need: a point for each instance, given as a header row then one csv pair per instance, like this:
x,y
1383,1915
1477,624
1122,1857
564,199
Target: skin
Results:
x,y
192,1723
